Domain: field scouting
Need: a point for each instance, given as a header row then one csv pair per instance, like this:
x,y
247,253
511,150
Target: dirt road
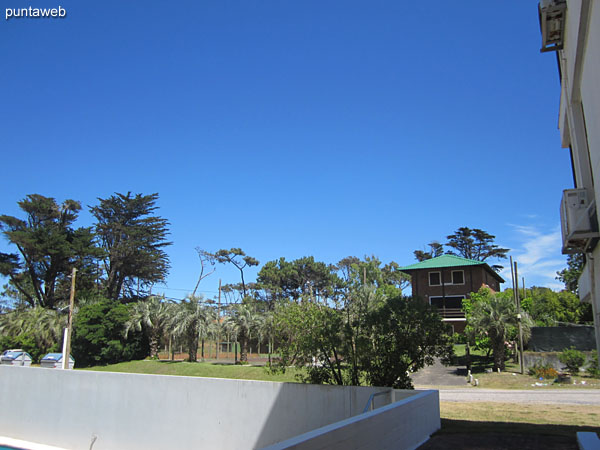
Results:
x,y
547,396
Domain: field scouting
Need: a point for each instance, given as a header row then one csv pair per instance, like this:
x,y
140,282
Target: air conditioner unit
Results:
x,y
552,24
576,226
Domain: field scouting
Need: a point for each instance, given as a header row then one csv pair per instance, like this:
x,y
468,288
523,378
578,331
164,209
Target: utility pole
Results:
x,y
219,322
68,330
519,318
512,277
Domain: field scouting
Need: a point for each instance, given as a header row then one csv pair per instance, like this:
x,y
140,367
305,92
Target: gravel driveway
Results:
x,y
554,396
440,375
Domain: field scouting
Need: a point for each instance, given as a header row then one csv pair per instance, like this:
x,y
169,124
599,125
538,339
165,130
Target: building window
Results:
x,y
458,277
435,278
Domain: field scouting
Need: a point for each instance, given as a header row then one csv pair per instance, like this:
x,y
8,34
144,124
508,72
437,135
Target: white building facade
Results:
x,y
571,28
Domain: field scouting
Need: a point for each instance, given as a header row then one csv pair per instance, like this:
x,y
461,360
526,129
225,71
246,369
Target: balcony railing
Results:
x,y
451,313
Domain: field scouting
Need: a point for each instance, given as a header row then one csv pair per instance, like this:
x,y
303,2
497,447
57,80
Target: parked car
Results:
x,y
15,357
54,361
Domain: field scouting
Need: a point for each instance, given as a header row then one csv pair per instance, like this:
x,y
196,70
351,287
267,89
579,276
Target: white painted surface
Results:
x,y
25,445
579,120
405,424
131,411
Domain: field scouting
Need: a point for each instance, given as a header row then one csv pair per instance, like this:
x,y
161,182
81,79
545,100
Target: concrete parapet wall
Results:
x,y
131,411
405,424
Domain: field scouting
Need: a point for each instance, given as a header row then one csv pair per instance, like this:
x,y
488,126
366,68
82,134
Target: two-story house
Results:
x,y
445,281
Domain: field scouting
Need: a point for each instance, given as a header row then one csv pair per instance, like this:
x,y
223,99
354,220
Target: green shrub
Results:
x,y
572,359
545,371
27,342
98,335
592,369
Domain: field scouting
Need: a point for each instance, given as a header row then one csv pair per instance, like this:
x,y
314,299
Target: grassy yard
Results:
x,y
506,425
181,368
511,378
540,414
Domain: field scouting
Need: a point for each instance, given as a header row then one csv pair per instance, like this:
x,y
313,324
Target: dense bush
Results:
x,y
545,371
572,359
375,341
592,369
26,342
98,335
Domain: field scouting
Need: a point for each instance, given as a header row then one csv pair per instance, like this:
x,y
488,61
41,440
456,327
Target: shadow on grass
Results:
x,y
467,426
479,363
467,434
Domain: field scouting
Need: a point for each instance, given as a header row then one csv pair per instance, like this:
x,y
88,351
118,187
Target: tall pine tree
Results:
x,y
133,239
48,248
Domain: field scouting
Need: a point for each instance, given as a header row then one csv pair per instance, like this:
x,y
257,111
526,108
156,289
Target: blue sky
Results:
x,y
289,129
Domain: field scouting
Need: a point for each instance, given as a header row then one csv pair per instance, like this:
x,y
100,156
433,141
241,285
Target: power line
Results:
x,y
187,290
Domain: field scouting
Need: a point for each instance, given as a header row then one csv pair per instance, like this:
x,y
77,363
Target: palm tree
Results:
x,y
193,321
151,316
243,321
44,325
497,317
267,330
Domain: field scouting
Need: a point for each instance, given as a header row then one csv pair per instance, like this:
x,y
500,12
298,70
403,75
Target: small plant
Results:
x,y
592,369
545,371
572,359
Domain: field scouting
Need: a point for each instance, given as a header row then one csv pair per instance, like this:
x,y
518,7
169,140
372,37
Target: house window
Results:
x,y
458,277
435,278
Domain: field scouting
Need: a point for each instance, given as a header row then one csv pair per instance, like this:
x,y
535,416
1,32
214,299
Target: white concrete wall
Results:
x,y
130,411
590,99
590,92
405,424
580,113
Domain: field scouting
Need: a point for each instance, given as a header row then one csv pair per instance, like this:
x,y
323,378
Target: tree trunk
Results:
x,y
468,355
154,344
243,346
270,349
202,349
498,344
193,349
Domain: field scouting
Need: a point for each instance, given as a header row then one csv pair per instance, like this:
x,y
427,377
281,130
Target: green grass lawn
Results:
x,y
539,414
198,369
511,378
508,425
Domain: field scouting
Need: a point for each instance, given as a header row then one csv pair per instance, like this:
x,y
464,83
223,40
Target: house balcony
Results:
x,y
451,313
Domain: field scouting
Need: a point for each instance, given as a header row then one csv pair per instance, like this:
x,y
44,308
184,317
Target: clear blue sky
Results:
x,y
289,129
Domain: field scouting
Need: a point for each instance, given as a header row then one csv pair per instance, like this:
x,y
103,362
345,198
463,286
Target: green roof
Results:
x,y
448,261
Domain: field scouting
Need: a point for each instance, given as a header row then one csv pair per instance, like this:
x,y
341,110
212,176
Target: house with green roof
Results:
x,y
445,281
